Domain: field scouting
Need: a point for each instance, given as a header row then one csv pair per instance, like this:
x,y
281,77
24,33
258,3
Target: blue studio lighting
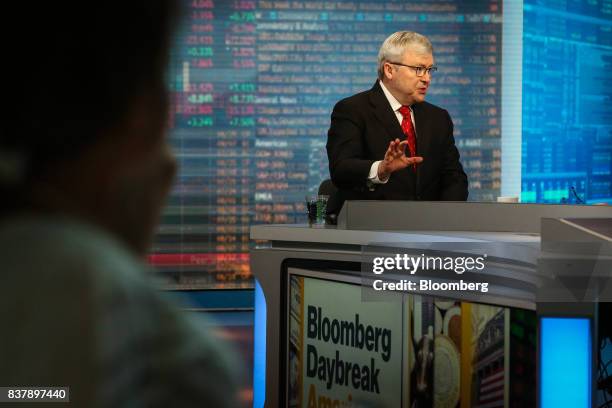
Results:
x,y
565,362
259,354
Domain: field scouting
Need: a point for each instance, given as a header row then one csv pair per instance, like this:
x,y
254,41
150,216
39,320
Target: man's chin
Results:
x,y
419,98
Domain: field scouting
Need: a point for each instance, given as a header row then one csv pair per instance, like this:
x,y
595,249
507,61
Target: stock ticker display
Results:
x,y
567,109
253,86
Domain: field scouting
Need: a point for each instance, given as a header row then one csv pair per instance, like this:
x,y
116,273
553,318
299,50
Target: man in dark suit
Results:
x,y
388,143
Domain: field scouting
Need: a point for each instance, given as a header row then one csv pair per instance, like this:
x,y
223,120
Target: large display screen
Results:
x,y
567,114
254,82
411,351
253,85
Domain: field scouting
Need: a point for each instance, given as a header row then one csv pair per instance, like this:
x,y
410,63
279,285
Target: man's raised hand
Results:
x,y
395,159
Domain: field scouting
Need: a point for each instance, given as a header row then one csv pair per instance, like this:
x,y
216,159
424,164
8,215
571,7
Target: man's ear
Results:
x,y
388,71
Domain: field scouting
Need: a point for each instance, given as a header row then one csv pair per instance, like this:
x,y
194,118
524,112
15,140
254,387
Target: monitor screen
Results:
x,y
253,84
411,350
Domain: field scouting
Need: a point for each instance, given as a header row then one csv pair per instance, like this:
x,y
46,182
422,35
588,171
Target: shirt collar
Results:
x,y
395,105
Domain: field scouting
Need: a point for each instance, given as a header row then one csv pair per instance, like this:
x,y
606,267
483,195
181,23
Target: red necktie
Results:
x,y
408,130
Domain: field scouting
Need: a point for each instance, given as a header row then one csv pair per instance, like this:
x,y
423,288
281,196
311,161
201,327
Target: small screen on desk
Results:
x,y
410,351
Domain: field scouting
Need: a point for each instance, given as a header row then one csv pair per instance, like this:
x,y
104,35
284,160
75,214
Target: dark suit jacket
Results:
x,y
362,127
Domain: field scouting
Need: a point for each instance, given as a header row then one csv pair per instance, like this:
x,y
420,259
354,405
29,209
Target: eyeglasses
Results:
x,y
419,71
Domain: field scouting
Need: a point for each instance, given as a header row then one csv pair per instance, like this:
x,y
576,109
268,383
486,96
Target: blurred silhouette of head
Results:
x,y
84,134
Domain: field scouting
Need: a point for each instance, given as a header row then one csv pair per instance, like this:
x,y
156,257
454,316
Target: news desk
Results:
x,y
492,346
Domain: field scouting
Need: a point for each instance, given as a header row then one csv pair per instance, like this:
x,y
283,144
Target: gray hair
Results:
x,y
398,43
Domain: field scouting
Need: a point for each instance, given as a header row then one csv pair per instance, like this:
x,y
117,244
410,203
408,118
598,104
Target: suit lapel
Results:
x,y
384,114
422,129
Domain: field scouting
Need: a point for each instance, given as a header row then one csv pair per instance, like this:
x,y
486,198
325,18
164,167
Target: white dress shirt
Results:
x,y
395,105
